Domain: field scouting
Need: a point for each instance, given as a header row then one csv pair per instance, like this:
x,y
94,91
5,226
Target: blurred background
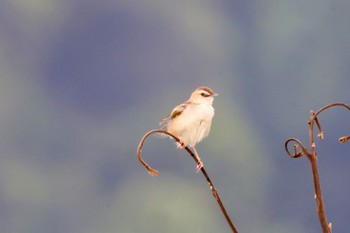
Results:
x,y
82,81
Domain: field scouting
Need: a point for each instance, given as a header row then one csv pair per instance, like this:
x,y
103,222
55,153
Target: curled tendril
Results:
x,y
151,171
344,139
314,118
332,105
298,148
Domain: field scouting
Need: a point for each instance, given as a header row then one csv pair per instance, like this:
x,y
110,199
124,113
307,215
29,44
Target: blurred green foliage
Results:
x,y
82,81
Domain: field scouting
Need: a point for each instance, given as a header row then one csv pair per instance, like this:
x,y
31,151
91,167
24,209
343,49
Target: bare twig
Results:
x,y
312,156
154,172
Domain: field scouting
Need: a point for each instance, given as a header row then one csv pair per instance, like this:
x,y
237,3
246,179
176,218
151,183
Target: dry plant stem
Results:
x,y
317,185
154,172
312,156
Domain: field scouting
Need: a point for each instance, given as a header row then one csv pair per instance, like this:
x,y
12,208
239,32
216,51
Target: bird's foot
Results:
x,y
180,145
199,166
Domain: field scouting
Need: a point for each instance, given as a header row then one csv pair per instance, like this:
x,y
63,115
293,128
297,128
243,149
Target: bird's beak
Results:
x,y
215,94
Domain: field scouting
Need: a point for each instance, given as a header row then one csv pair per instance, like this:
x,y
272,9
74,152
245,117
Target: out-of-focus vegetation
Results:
x,y
82,81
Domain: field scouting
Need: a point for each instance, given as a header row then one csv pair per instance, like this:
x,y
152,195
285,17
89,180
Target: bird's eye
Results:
x,y
204,94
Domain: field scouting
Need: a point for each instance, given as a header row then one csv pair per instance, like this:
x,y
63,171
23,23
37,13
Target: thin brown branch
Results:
x,y
312,156
320,134
317,184
154,172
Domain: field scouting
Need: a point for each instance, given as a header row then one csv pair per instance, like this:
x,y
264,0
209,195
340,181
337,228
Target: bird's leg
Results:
x,y
200,163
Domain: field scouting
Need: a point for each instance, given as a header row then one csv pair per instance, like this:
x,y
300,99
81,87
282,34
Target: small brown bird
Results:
x,y
191,120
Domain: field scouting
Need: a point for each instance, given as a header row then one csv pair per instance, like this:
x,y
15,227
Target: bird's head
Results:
x,y
203,95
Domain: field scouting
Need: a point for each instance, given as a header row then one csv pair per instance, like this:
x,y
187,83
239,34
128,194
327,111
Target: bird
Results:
x,y
191,120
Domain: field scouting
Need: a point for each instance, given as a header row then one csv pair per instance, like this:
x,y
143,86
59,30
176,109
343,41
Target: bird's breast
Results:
x,y
193,124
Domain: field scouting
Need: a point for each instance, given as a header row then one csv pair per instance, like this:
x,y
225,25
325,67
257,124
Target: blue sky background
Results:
x,y
82,81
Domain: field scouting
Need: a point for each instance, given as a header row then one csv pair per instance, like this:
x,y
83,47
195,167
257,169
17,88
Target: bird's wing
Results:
x,y
175,113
